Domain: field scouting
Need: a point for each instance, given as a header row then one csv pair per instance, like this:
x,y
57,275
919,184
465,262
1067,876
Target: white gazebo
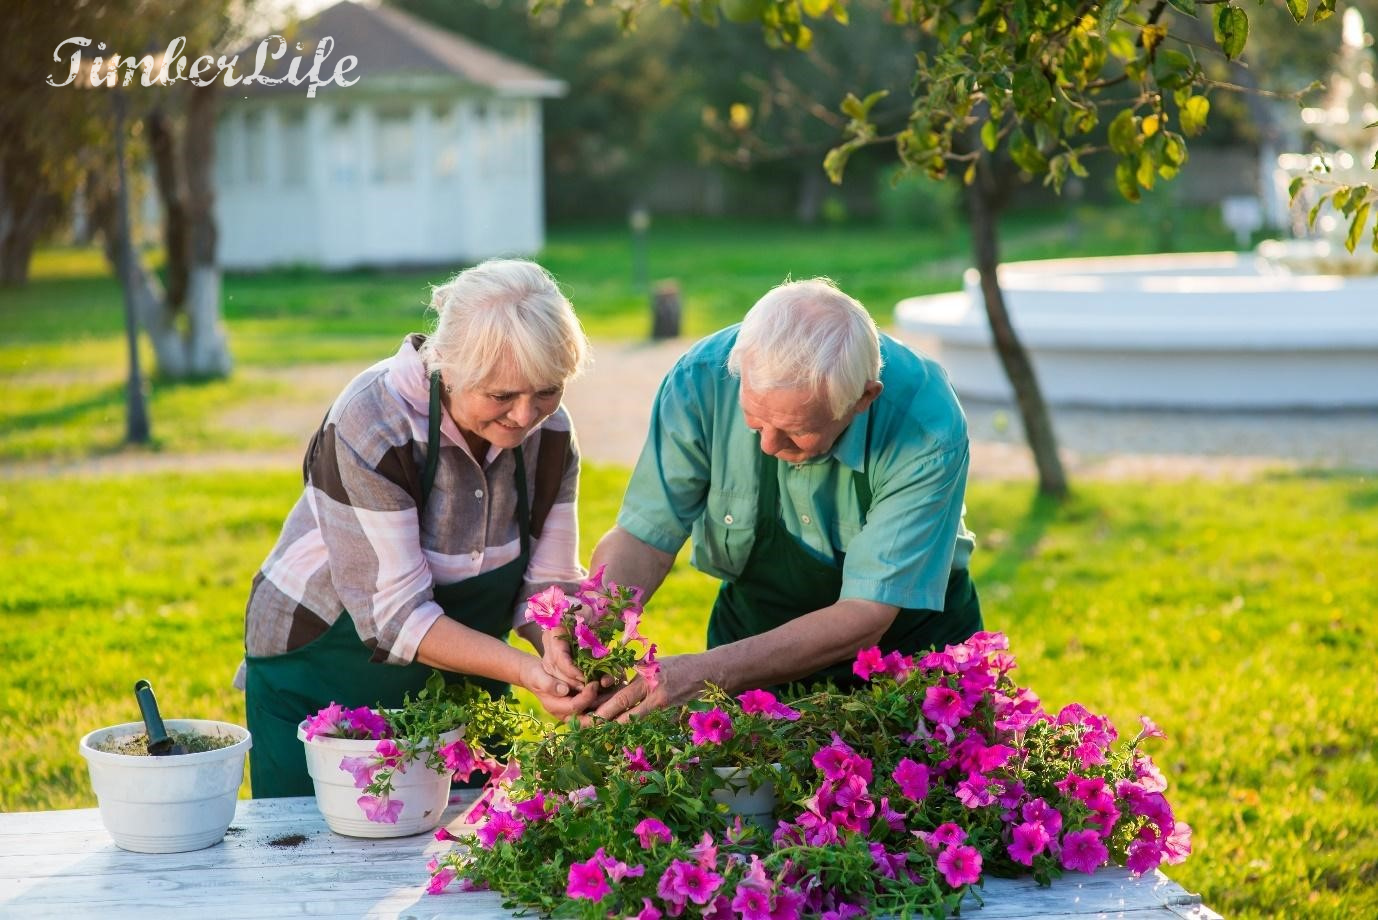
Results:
x,y
432,157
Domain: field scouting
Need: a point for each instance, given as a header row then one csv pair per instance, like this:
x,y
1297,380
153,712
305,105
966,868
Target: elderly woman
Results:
x,y
440,494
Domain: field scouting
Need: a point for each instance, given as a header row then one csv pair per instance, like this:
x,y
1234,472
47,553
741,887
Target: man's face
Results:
x,y
795,425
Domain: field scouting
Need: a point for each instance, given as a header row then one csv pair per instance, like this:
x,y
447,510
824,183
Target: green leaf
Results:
x,y
1193,115
1186,6
1375,156
1340,200
1026,155
990,135
1231,30
1356,226
1109,13
814,8
1172,69
1124,179
860,109
1147,169
1324,11
1314,213
1298,9
1124,135
1294,187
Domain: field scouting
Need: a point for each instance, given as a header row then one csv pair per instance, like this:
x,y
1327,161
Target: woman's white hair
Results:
x,y
504,312
809,335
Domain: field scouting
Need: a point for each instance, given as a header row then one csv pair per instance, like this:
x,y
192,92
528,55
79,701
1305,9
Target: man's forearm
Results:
x,y
631,561
798,648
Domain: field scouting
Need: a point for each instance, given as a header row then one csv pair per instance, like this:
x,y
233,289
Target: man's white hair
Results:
x,y
808,335
509,312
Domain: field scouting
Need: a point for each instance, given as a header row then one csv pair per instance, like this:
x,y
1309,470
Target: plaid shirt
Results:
x,y
354,541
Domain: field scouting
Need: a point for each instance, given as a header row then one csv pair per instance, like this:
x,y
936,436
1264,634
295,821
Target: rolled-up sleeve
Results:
x,y
903,554
669,487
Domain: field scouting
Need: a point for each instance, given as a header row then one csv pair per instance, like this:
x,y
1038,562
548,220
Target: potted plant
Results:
x,y
172,803
894,800
387,772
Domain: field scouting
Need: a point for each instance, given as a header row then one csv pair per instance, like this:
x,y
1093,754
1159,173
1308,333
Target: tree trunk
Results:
x,y
167,175
207,343
1038,426
137,429
27,210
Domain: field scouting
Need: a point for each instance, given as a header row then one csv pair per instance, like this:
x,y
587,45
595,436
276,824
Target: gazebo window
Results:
x,y
255,164
395,150
446,132
344,160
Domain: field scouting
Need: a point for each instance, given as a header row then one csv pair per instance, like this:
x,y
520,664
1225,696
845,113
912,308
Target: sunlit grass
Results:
x,y
1239,616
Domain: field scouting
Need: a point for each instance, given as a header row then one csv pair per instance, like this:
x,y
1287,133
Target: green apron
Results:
x,y
782,581
281,690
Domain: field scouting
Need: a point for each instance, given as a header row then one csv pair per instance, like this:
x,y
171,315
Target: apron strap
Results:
x,y
433,463
861,481
432,440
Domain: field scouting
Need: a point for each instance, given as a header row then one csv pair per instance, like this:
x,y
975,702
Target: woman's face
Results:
x,y
503,409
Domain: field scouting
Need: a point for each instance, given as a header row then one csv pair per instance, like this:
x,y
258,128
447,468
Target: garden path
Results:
x,y
611,406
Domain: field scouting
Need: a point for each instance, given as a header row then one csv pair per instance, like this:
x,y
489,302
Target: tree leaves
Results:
x,y
1231,30
1192,112
1298,9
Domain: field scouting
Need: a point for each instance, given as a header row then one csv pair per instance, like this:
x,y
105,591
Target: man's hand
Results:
x,y
559,664
679,683
556,696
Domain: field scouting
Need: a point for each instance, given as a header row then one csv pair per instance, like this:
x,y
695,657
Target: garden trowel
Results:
x,y
159,742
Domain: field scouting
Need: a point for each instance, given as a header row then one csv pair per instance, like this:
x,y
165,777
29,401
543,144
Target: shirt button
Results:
x,y
478,493
728,519
806,519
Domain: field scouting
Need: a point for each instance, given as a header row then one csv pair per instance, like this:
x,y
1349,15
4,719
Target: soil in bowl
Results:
x,y
137,745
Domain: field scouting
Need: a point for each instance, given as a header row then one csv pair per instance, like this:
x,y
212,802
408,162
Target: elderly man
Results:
x,y
820,469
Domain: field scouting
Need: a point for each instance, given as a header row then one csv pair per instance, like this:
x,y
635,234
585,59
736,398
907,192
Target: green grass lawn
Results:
x,y
1239,616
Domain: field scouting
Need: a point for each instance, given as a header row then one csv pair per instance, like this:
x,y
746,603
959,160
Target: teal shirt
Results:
x,y
697,477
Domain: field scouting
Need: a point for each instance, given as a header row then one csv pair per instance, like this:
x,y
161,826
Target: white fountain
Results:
x,y
1293,325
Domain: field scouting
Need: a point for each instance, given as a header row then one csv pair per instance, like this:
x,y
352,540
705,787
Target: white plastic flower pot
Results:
x,y
757,806
423,792
167,804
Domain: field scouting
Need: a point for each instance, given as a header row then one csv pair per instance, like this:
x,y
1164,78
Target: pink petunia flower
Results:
x,y
1027,841
548,608
960,865
616,869
582,794
1040,812
1083,851
947,835
1177,844
367,723
326,722
586,880
975,791
440,881
459,759
1143,856
868,661
532,809
1149,729
361,768
690,882
944,706
502,824
588,639
636,760
765,703
380,809
651,829
789,904
711,727
649,668
442,834
648,911
705,852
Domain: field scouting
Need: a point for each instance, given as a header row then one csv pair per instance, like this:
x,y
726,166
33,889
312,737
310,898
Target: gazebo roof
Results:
x,y
394,47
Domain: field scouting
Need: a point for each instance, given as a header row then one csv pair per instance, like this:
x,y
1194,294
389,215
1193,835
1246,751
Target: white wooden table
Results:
x,y
279,860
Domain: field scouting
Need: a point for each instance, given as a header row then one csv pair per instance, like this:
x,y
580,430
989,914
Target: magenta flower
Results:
x,y
912,778
1040,812
636,760
686,881
367,723
765,703
362,769
1143,856
789,904
751,903
631,622
974,791
379,809
326,722
960,865
586,880
1177,844
893,819
947,835
616,869
502,824
459,758
898,666
1150,729
548,608
442,834
588,639
651,829
532,809
868,661
440,881
583,794
1083,851
1027,841
837,761
391,755
705,852
648,911
944,706
649,668
711,727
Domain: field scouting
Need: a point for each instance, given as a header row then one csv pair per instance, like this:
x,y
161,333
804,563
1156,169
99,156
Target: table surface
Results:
x,y
280,860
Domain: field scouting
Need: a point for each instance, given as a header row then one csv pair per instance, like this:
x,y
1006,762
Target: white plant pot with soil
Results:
x,y
423,792
168,804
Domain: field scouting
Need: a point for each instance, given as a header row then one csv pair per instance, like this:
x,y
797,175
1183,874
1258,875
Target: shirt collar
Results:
x,y
850,449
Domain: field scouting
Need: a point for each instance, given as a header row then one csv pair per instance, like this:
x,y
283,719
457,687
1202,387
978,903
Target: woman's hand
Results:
x,y
558,662
558,697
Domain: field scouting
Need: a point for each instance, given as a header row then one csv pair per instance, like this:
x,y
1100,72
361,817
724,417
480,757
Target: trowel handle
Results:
x,y
153,722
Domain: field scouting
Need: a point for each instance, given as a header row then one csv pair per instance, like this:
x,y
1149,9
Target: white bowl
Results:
x,y
424,793
167,804
756,805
